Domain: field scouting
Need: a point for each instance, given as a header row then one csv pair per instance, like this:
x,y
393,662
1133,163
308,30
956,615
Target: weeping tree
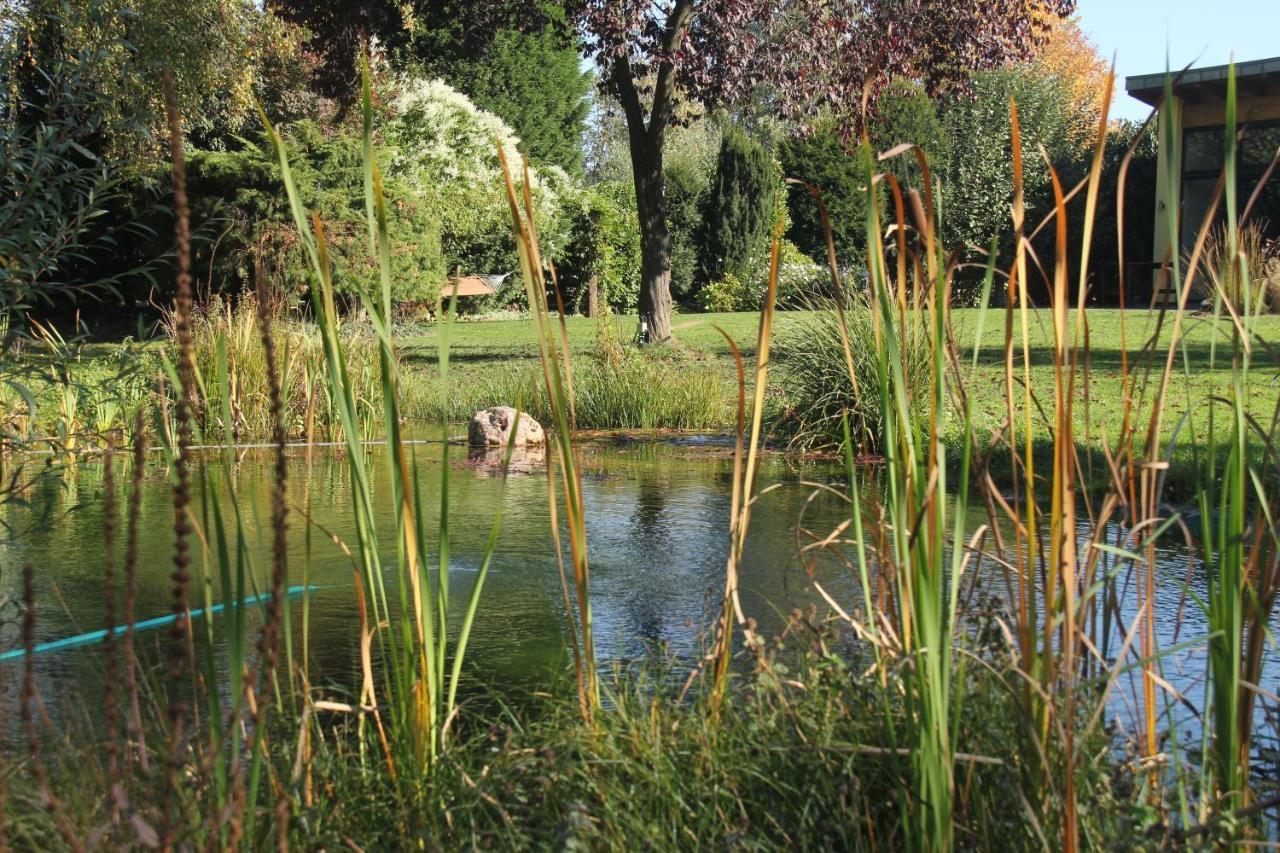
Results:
x,y
803,56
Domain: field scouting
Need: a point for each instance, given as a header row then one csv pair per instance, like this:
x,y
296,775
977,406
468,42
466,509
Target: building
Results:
x,y
1198,114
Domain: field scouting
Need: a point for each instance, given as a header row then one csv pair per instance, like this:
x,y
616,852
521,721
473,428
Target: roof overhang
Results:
x,y
1261,77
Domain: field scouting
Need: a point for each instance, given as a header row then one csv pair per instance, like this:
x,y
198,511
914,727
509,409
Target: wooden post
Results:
x,y
593,294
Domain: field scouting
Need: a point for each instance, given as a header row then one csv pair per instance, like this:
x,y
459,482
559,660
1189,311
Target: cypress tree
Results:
x,y
739,209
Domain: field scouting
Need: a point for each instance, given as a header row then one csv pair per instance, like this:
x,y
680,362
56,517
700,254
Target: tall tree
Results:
x,y
534,82
435,34
1069,55
808,54
739,208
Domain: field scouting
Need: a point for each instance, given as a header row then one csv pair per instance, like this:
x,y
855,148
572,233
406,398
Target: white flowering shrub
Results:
x,y
446,148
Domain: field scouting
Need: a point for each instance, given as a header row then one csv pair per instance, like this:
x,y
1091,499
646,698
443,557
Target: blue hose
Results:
x,y
146,624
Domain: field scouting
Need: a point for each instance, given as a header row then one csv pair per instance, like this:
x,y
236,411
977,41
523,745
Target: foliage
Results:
x,y
727,49
906,114
240,188
819,394
443,150
820,158
725,294
977,175
687,192
532,80
738,211
604,242
67,216
220,53
431,36
1068,55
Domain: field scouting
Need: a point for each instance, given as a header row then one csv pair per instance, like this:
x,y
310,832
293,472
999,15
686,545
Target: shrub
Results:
x,y
800,281
686,193
820,394
241,188
738,211
603,241
820,158
727,294
444,152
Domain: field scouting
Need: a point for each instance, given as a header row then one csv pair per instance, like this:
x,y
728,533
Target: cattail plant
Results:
x,y
136,737
29,700
181,577
110,651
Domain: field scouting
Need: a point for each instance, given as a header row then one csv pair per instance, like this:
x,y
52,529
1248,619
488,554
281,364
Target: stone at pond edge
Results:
x,y
492,427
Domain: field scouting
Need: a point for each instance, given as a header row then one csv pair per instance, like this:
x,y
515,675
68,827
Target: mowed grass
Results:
x,y
486,348
493,361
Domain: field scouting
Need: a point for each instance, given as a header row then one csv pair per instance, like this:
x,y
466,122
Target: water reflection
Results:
x,y
657,518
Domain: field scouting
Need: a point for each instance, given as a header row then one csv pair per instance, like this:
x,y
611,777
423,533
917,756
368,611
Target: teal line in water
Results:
x,y
146,624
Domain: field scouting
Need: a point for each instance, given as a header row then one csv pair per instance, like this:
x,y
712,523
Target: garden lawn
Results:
x,y
494,361
482,348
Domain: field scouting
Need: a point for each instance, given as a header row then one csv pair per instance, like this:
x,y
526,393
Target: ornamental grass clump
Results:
x,y
818,391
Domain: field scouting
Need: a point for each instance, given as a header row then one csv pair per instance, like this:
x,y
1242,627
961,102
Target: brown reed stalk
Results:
x,y
109,648
28,711
134,725
268,641
269,636
181,576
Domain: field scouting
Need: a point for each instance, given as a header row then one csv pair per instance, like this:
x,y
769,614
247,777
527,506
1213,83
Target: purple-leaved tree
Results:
x,y
804,56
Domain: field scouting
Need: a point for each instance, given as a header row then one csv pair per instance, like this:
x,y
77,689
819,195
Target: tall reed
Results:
x,y
557,374
418,685
181,461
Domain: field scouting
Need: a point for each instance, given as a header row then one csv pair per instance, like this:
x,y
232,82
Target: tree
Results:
x,y
221,54
739,208
532,80
435,35
1068,55
821,158
806,54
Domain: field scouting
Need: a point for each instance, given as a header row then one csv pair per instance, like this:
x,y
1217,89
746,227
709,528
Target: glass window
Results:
x,y
1202,149
1259,144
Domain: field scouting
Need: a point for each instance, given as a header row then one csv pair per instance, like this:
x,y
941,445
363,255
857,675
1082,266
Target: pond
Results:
x,y
657,513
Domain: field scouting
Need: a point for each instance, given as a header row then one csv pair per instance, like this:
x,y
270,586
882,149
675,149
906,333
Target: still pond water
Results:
x,y
657,527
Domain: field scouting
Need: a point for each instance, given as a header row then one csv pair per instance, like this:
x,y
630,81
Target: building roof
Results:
x,y
1258,77
468,285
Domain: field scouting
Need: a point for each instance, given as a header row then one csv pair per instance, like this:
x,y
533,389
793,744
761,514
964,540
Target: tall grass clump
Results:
x,y
820,392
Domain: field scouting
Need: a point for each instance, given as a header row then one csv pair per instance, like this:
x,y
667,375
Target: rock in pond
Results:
x,y
492,427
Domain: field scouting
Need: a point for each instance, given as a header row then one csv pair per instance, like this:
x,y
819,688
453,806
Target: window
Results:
x,y
1203,149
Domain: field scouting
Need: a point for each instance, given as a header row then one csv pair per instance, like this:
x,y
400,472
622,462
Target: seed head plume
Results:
x,y
181,576
269,640
30,699
109,649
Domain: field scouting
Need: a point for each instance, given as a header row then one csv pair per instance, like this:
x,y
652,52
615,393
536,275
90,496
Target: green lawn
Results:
x,y
480,347
494,360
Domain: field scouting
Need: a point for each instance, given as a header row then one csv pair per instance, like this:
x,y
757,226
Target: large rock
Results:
x,y
492,427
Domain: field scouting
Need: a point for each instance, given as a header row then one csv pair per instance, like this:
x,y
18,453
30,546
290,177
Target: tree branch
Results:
x,y
624,85
665,89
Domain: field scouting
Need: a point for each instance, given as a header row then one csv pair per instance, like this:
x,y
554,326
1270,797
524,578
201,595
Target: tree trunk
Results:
x,y
593,297
655,237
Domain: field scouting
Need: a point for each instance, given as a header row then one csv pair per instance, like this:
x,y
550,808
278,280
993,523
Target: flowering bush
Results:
x,y
445,149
